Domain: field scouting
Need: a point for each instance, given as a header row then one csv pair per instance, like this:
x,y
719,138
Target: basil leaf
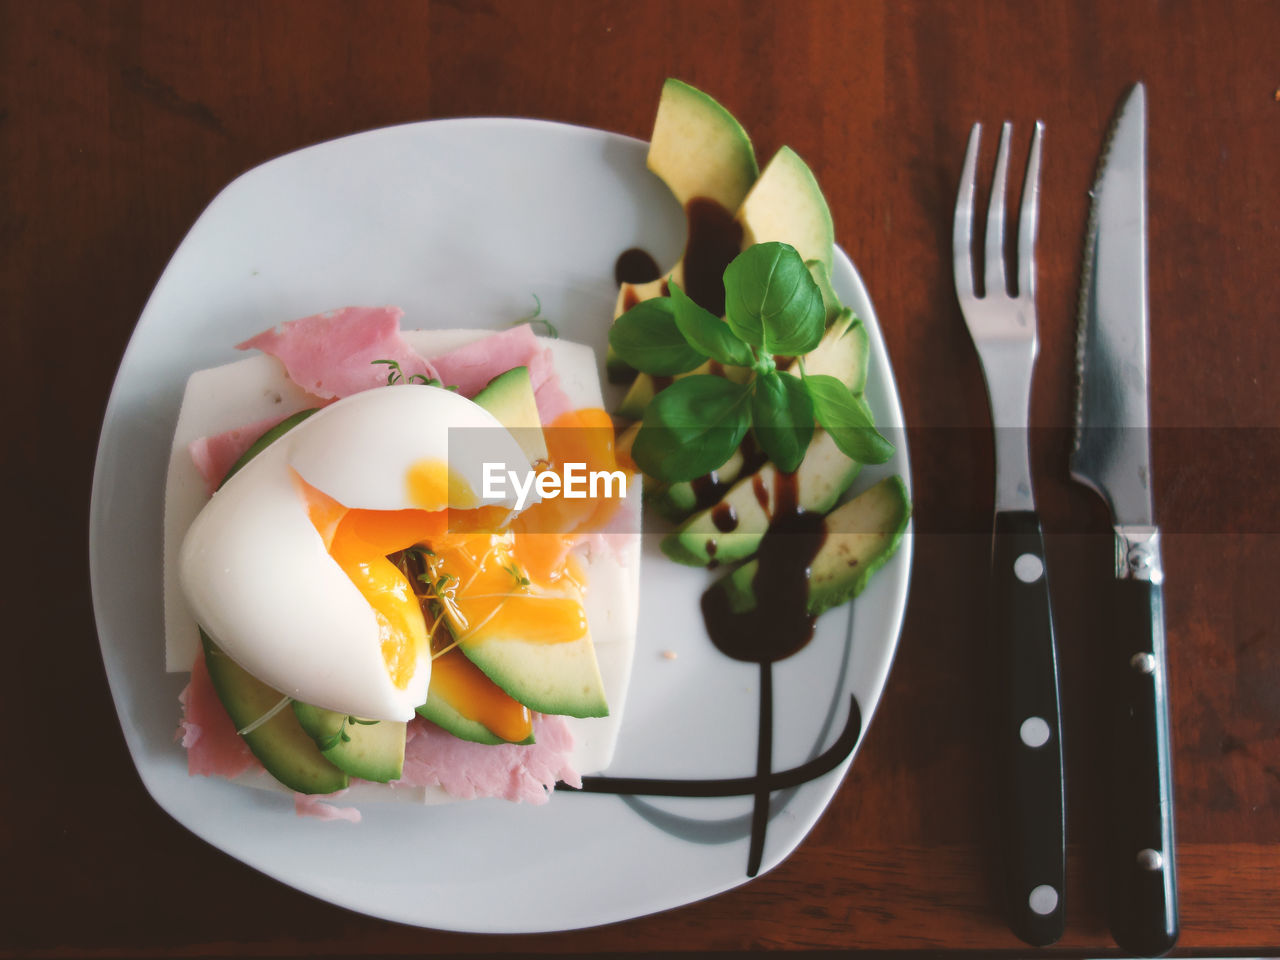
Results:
x,y
848,419
772,302
706,332
783,419
692,427
647,338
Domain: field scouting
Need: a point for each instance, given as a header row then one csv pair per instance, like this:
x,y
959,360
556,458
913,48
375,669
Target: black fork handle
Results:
x,y
1033,783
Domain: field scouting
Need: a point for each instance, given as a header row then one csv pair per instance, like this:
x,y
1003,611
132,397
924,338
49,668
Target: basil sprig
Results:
x,y
774,311
782,412
848,419
771,301
692,427
706,333
648,338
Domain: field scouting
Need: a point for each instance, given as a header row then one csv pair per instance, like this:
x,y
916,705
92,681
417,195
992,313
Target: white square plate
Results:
x,y
461,223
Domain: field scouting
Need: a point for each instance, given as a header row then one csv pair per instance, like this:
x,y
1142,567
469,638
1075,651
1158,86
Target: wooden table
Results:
x,y
119,122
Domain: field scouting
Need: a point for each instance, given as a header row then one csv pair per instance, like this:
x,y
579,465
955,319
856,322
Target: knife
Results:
x,y
1112,455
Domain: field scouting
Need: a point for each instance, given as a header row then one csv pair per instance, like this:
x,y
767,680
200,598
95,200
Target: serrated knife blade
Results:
x,y
1112,452
1112,455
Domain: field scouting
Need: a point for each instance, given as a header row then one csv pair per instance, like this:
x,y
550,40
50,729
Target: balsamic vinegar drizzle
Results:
x,y
761,492
635,266
708,490
764,764
714,239
820,765
779,624
724,517
753,457
776,627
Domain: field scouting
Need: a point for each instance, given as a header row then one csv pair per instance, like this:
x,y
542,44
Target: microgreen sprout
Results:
x,y
520,579
396,375
536,318
341,735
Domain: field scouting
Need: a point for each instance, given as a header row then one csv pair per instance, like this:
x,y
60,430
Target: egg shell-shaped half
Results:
x,y
256,571
363,450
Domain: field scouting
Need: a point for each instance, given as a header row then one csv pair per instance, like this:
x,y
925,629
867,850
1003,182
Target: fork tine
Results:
x,y
962,225
995,219
1028,220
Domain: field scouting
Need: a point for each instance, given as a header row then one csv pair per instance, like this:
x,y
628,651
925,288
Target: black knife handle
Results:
x,y
1030,730
1144,886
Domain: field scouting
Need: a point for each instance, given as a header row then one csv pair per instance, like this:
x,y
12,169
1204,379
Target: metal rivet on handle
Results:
x,y
1143,662
1028,568
1140,560
1149,859
1034,731
1043,900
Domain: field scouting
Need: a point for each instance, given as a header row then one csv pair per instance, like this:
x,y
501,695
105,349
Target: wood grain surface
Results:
x,y
120,121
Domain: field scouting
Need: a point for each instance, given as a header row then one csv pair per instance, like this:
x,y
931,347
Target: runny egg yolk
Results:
x,y
579,437
523,582
519,583
491,594
461,682
360,542
433,486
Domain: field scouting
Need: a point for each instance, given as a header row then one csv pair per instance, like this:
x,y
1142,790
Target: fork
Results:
x,y
1003,328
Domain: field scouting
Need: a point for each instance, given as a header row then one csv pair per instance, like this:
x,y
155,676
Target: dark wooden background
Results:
x,y
120,121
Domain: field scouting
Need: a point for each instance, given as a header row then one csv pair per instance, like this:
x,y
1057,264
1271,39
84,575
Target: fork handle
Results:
x,y
1030,730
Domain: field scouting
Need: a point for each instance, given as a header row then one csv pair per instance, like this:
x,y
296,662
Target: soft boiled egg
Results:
x,y
286,566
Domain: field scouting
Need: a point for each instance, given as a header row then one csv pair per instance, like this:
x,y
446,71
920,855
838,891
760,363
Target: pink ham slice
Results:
x,y
214,456
332,354
551,399
313,352
214,749
473,365
524,774
306,805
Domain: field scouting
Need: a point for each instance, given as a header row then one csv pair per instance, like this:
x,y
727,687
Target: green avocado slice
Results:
x,y
558,678
509,397
285,749
733,528
698,148
444,715
786,204
702,153
370,750
861,536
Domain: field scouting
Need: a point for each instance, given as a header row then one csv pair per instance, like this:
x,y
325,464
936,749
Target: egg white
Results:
x,y
256,573
360,450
